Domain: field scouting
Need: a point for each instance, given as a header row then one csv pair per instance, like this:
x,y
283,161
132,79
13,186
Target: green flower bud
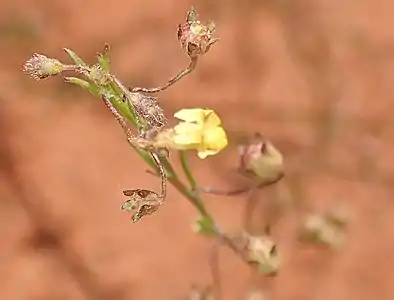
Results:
x,y
98,75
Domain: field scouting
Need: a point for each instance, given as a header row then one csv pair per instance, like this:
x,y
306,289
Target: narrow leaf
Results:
x,y
92,88
76,59
103,58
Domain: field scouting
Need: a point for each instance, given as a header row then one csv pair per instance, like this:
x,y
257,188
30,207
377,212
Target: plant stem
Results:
x,y
186,169
178,184
189,193
195,200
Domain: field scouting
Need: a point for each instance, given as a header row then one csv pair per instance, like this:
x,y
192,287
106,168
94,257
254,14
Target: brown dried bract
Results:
x,y
143,202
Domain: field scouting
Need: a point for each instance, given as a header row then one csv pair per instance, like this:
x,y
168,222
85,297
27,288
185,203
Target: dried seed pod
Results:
x,y
148,108
194,37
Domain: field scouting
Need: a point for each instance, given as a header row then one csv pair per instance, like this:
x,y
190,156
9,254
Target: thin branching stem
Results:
x,y
121,120
162,173
239,191
173,80
130,138
214,264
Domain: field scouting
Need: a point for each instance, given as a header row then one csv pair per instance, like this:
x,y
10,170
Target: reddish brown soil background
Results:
x,y
316,77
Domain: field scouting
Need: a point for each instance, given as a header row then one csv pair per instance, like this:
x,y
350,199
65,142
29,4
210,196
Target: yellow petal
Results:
x,y
204,153
191,115
186,128
214,138
180,146
187,133
211,119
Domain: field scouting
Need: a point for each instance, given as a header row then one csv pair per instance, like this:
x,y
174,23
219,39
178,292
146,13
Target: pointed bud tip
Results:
x,y
192,15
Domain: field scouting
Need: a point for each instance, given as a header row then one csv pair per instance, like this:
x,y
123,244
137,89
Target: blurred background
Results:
x,y
314,76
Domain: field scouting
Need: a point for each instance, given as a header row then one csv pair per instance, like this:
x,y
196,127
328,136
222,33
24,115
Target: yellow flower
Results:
x,y
201,130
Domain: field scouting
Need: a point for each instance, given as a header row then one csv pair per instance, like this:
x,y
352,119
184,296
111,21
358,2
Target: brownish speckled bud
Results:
x,y
196,38
261,161
263,251
39,67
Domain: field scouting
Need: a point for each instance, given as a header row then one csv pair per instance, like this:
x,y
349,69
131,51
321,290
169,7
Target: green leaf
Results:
x,y
205,226
92,88
76,59
103,58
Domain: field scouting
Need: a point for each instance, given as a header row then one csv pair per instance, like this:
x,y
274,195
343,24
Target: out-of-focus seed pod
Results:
x,y
264,252
261,161
201,293
256,295
322,229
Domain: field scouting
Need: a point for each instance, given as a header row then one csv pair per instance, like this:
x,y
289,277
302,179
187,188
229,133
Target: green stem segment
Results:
x,y
195,200
189,193
192,196
185,166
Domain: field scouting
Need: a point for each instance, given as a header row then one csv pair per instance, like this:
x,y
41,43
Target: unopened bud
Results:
x,y
196,38
39,67
264,252
261,160
98,75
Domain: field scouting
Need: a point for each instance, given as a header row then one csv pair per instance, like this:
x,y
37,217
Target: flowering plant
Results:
x,y
198,129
